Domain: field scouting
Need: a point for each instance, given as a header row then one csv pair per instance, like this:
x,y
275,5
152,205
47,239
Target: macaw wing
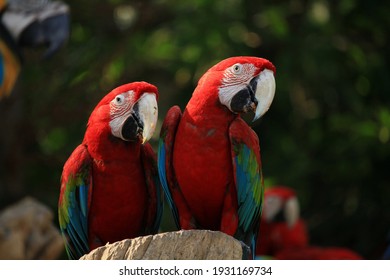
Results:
x,y
248,178
74,201
165,159
155,209
10,62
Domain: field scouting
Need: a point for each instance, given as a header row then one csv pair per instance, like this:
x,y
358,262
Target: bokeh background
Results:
x,y
327,134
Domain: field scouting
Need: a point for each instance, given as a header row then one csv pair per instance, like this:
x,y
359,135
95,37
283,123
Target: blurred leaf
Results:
x,y
54,141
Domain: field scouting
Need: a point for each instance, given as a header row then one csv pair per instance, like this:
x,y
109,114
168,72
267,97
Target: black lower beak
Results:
x,y
244,100
132,128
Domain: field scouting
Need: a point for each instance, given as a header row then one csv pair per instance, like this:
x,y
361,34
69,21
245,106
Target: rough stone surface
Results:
x,y
27,232
177,245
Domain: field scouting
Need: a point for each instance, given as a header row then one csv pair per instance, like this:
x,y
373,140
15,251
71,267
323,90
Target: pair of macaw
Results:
x,y
284,234
208,161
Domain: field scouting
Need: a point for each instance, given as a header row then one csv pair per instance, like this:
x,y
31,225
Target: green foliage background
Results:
x,y
327,133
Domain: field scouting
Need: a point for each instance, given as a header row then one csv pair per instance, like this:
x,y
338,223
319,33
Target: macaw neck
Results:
x,y
205,108
103,146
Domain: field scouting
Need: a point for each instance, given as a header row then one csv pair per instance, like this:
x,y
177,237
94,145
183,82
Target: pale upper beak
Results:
x,y
274,206
148,113
265,92
291,211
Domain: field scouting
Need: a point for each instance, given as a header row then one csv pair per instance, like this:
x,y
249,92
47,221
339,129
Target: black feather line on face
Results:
x,y
243,100
279,217
132,128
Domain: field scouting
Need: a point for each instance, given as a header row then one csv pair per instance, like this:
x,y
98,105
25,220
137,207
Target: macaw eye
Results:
x,y
119,99
237,68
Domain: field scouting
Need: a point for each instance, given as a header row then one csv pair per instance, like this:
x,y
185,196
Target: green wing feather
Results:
x,y
73,203
165,159
249,180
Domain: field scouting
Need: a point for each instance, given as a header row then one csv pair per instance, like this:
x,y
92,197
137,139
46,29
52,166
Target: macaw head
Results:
x,y
37,23
280,205
244,84
129,112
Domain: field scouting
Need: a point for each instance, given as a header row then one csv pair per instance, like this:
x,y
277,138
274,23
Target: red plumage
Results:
x,y
210,156
120,197
283,235
202,141
121,174
206,182
276,232
277,236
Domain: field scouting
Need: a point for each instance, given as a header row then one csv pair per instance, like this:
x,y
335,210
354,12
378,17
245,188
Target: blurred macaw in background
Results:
x,y
283,234
209,158
28,23
280,226
110,188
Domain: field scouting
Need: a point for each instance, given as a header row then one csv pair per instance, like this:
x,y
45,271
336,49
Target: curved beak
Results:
x,y
148,114
264,92
291,211
276,210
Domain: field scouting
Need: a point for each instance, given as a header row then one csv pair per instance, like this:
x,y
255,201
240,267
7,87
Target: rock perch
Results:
x,y
177,245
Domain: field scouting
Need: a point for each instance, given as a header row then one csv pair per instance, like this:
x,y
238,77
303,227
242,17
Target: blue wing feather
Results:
x,y
249,182
155,209
160,205
10,62
248,185
77,229
83,193
73,203
161,155
165,163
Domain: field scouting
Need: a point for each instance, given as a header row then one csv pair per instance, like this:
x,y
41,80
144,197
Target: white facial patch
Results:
x,y
235,78
120,110
272,205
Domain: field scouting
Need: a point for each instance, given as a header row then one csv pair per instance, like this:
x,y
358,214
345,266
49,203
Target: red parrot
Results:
x,y
209,158
110,188
281,226
284,235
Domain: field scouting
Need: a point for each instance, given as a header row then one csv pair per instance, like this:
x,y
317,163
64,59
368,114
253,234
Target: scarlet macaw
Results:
x,y
110,188
281,225
209,158
284,235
